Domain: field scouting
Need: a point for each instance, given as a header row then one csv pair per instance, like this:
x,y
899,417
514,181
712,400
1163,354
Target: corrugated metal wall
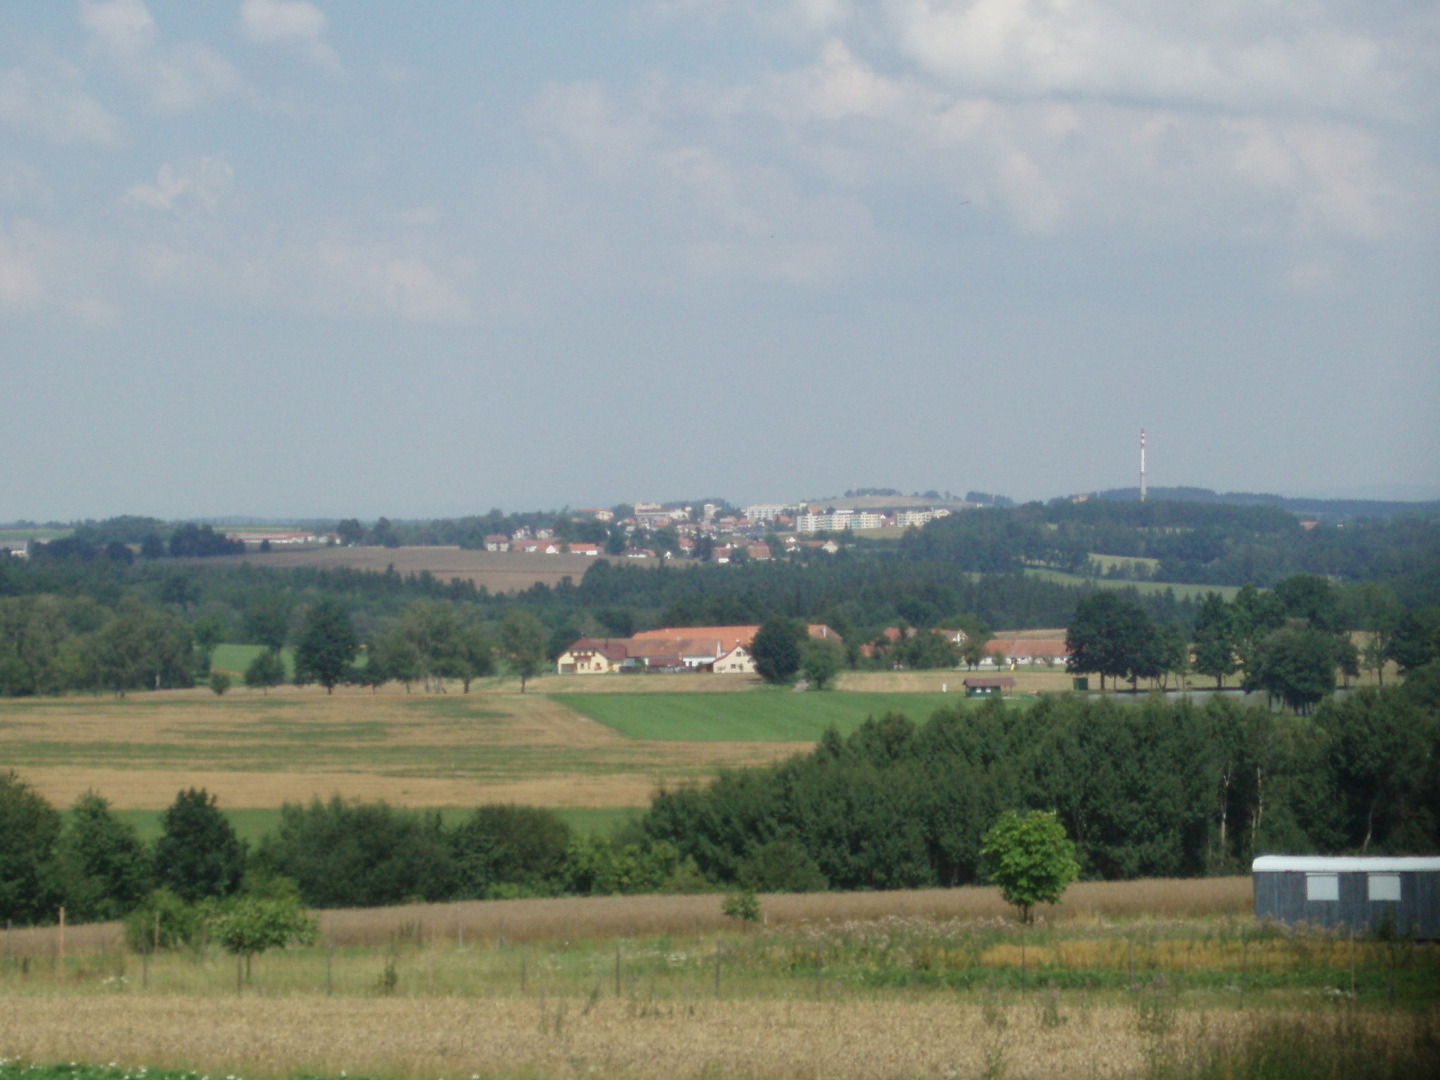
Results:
x,y
1282,895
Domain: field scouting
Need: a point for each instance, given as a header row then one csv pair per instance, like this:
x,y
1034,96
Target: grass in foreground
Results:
x,y
876,1005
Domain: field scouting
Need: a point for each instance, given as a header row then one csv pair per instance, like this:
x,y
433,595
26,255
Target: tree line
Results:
x,y
1144,790
336,853
1289,641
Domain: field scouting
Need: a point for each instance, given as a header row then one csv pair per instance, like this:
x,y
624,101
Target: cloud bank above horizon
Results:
x,y
280,257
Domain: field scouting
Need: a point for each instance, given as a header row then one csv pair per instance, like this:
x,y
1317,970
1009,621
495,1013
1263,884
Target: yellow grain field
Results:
x,y
633,1038
254,750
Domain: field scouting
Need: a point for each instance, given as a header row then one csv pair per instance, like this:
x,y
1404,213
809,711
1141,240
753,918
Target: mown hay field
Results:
x,y
426,750
572,742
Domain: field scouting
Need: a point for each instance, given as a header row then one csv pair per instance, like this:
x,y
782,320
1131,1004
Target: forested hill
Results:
x,y
1319,509
1188,542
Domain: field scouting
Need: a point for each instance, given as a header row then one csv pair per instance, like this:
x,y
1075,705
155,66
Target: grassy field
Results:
x,y
1107,562
1181,592
765,716
251,825
257,751
1142,979
234,659
600,744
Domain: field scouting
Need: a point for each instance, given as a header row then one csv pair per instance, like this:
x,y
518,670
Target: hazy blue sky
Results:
x,y
283,258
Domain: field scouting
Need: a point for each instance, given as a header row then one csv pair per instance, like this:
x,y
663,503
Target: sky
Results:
x,y
281,258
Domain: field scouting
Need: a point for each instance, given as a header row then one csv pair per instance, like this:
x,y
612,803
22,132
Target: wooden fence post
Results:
x,y
719,953
60,949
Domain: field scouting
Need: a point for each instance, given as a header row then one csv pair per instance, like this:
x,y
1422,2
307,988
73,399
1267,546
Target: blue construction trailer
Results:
x,y
1360,894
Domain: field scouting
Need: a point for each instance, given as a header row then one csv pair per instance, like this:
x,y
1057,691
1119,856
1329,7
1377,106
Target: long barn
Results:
x,y
1361,894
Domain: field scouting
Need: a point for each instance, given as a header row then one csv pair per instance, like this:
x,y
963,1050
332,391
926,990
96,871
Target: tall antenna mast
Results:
x,y
1142,464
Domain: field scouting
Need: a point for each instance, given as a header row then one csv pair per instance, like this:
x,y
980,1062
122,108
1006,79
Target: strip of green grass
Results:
x,y
763,716
234,659
252,825
1181,592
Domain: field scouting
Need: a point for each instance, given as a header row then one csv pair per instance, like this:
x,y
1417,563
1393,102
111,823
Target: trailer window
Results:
x,y
1322,886
1384,886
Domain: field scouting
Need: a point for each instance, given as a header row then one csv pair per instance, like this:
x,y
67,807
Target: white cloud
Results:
x,y
1328,56
293,24
1216,54
53,105
201,183
176,78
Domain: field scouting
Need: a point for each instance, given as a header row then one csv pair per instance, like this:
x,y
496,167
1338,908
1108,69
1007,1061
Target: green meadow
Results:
x,y
759,716
251,825
234,659
1182,592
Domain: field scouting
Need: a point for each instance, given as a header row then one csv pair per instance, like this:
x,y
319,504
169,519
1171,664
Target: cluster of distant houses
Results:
x,y
725,650
728,536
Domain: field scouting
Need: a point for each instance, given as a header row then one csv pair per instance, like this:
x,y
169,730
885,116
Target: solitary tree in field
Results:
x,y
1030,858
247,925
327,644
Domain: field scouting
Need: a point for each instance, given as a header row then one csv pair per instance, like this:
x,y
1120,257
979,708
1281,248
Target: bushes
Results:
x,y
355,854
327,854
29,829
511,847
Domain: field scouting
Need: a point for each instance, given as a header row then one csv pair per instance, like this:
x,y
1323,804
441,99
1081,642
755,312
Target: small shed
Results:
x,y
987,686
1359,893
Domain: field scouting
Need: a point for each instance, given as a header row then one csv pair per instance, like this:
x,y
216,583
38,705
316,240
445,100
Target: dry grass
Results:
x,y
570,1037
255,750
632,1036
595,917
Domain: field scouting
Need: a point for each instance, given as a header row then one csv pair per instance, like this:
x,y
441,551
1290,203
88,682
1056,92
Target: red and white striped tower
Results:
x,y
1142,464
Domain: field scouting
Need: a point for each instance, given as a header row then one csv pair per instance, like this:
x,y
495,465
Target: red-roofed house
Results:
x,y
1048,651
591,656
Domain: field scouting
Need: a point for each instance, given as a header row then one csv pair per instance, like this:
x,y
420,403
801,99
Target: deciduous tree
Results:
x,y
1215,639
1030,858
198,854
776,649
265,671
107,870
523,637
327,644
821,661
29,829
1295,664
